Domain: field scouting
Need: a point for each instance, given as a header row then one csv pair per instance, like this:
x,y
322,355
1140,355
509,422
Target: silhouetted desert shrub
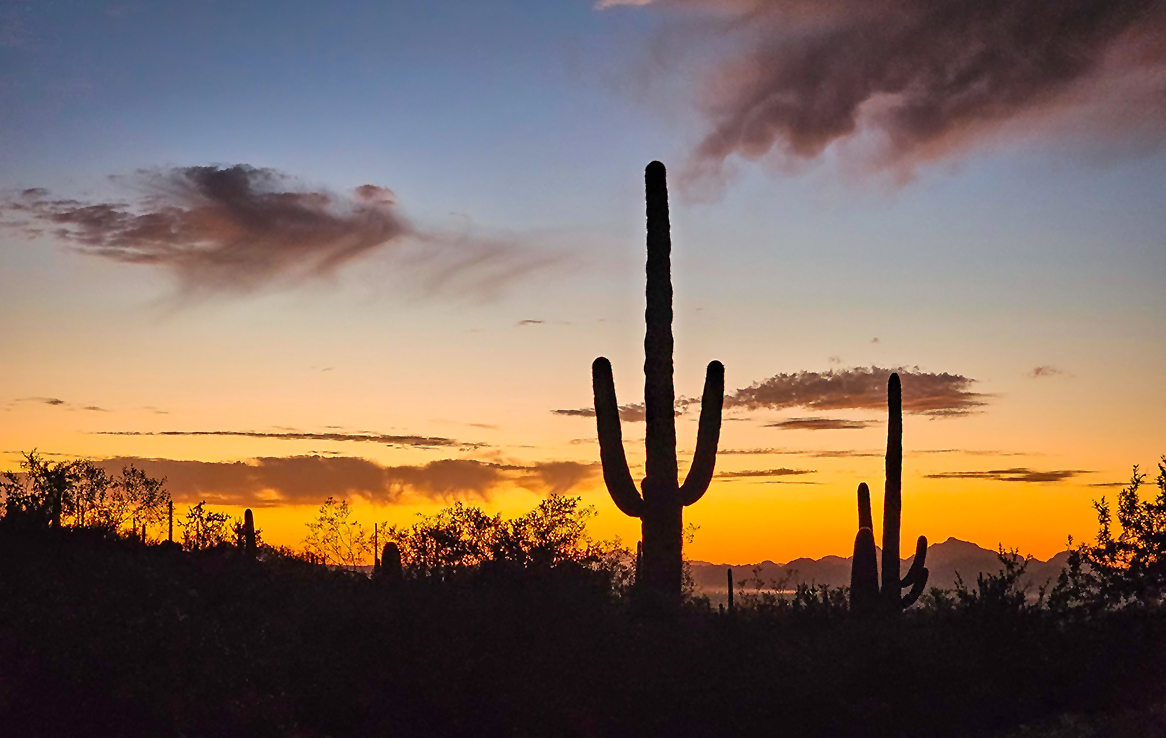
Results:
x,y
463,540
1126,570
79,493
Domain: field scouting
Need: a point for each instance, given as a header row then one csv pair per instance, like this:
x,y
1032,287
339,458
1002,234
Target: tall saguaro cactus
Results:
x,y
660,502
865,594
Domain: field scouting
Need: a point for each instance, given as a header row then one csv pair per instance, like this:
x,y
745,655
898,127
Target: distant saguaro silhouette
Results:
x,y
249,547
660,506
864,576
391,569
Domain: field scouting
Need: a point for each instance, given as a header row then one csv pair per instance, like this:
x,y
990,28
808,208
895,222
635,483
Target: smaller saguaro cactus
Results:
x,y
249,547
170,517
391,570
732,609
865,593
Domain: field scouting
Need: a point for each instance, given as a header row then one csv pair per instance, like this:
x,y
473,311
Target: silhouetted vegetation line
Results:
x,y
864,583
661,501
521,626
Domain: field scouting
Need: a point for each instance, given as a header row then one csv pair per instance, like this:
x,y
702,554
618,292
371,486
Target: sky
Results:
x,y
277,252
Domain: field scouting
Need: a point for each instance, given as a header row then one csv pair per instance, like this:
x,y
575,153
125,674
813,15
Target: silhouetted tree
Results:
x,y
1126,569
335,539
81,493
132,495
463,538
41,492
204,528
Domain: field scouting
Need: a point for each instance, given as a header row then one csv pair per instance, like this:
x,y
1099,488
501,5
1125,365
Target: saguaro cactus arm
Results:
x,y
616,474
918,564
865,518
704,460
917,589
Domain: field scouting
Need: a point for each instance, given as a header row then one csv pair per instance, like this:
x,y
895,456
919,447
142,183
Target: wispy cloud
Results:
x,y
386,439
57,402
918,81
240,229
762,473
861,388
634,413
306,480
1016,474
1045,371
816,424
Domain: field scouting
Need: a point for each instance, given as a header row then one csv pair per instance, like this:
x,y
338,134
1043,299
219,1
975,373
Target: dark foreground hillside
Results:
x,y
111,637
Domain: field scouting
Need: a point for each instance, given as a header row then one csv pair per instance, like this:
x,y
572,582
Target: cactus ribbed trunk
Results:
x,y
660,502
662,520
729,573
893,495
170,518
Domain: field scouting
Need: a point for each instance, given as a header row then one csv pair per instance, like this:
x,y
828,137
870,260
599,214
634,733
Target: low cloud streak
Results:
x,y
763,473
1016,474
818,424
861,388
308,480
388,440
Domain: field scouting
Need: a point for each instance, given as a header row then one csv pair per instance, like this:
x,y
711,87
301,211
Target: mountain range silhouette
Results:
x,y
944,560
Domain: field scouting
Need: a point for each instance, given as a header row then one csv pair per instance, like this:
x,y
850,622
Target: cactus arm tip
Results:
x,y
865,518
707,437
616,474
918,564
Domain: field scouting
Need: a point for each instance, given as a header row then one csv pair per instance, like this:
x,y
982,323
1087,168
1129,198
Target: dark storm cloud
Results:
x,y
388,440
820,424
1017,474
926,77
308,480
239,229
860,388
